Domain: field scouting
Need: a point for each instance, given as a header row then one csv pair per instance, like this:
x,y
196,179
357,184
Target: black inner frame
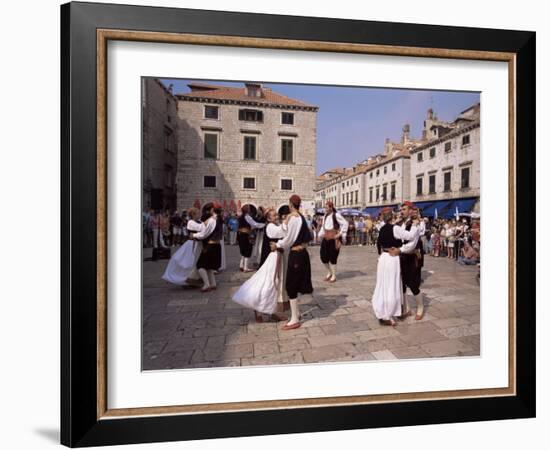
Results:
x,y
79,425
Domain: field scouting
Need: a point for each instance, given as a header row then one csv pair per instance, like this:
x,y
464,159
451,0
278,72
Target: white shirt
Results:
x,y
274,231
252,222
422,228
208,229
293,230
411,236
192,225
329,225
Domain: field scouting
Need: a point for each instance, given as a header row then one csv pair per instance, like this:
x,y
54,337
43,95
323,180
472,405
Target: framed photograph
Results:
x,y
272,224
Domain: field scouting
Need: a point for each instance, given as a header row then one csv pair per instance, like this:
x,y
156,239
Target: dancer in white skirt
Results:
x,y
265,291
388,293
181,268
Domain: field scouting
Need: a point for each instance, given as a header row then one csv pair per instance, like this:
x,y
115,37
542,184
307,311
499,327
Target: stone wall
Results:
x,y
230,167
159,153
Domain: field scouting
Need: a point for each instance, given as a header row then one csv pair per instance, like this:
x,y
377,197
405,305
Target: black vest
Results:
x,y
217,234
243,223
304,236
386,238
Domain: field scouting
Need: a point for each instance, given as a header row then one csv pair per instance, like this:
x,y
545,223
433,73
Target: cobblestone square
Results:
x,y
184,328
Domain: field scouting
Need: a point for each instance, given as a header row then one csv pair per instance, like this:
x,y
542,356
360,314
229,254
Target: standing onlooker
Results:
x,y
351,231
233,225
444,242
165,228
435,240
155,223
368,227
176,224
145,227
451,239
362,231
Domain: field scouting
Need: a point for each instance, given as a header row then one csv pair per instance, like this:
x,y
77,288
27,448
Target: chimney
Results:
x,y
253,89
406,133
387,146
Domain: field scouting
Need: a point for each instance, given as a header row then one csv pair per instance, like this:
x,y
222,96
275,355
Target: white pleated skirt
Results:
x,y
182,263
262,291
388,293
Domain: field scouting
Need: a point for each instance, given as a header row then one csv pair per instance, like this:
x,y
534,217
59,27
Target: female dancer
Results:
x,y
183,263
265,291
388,293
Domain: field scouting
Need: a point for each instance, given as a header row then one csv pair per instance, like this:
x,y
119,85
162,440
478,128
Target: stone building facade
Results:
x,y
388,180
159,145
448,165
443,164
244,145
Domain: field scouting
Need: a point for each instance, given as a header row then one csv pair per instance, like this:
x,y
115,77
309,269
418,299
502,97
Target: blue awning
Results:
x,y
448,208
374,211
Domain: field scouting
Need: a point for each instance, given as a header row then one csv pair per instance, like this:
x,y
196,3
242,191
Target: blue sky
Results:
x,y
353,122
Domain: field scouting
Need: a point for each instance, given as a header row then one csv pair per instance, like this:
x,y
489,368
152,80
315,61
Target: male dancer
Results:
x,y
246,225
298,276
333,232
409,254
210,258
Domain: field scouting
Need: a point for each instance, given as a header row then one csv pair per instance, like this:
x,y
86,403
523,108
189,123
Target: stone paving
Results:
x,y
184,328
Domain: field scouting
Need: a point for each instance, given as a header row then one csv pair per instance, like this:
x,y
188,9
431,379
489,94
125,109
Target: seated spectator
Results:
x,y
470,255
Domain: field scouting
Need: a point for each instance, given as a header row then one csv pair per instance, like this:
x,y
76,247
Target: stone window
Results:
x,y
370,195
249,183
393,167
431,181
447,181
420,157
209,181
432,152
385,169
287,150
250,147
447,147
392,191
377,172
251,115
211,112
287,118
371,174
465,178
465,140
210,145
286,184
419,183
356,197
377,193
384,193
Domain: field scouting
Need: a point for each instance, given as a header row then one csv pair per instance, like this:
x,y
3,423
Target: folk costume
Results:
x,y
182,264
410,257
210,258
265,290
298,275
258,240
246,225
332,233
388,293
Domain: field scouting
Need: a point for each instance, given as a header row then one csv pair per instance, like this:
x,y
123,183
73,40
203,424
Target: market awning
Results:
x,y
447,209
374,211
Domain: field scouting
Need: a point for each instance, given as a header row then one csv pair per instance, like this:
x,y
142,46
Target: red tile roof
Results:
x,y
213,92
